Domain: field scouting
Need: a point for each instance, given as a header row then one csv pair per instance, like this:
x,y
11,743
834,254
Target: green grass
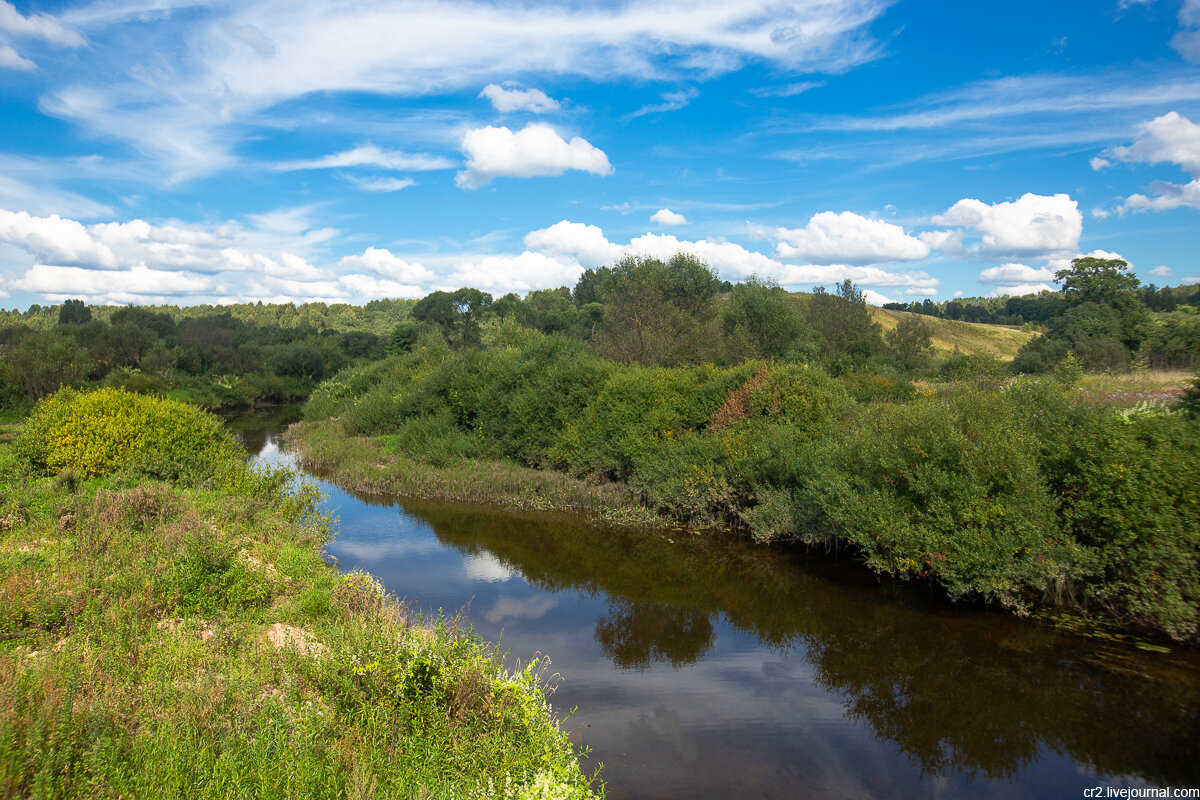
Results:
x,y
1001,341
135,660
366,464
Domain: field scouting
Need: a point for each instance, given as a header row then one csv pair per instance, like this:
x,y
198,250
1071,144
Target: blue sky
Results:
x,y
197,152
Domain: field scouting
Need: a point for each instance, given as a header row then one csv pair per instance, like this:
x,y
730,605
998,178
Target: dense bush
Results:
x,y
110,430
949,490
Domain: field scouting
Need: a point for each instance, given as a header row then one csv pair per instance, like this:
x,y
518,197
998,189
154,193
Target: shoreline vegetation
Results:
x,y
171,627
1029,485
366,465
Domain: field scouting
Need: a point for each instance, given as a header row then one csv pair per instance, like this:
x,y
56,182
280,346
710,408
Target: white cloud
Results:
x,y
54,239
382,262
1056,264
787,89
1171,138
370,156
11,59
1169,195
949,242
1015,274
62,282
875,298
121,246
583,243
261,54
37,26
383,184
1162,271
665,216
521,273
1031,225
506,100
536,150
1097,163
1018,291
849,238
370,287
672,101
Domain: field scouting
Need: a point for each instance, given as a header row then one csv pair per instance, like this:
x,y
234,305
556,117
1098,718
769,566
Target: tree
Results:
x,y
655,312
1096,280
844,319
761,321
912,341
74,312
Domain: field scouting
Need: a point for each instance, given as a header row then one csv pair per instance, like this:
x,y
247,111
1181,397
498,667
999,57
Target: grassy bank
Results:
x,y
373,465
185,637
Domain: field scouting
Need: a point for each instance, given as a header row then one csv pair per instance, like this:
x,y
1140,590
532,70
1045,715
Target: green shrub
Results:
x,y
638,408
945,490
111,430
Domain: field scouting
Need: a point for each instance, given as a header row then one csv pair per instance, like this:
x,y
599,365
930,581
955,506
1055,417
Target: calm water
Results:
x,y
701,668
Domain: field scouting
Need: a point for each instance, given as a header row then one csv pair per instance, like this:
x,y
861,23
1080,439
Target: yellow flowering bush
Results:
x,y
109,430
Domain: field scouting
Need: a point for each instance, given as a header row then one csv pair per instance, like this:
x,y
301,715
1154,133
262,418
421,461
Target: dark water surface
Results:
x,y
702,667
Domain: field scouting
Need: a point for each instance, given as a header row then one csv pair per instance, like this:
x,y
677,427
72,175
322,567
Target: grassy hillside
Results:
x,y
1002,341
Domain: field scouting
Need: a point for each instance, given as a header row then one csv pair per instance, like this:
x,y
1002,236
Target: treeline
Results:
x,y
679,312
216,356
1103,318
1037,308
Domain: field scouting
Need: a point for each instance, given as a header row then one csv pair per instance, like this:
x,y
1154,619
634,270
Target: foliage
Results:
x,y
74,312
109,430
655,312
844,321
760,321
949,490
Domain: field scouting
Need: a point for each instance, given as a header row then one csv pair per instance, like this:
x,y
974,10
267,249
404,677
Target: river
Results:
x,y
701,667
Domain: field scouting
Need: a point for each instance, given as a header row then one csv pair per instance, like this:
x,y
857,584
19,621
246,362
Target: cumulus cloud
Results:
x,y
536,150
1171,139
665,216
368,286
1015,274
584,243
849,238
1029,226
506,100
520,273
1097,163
58,282
949,242
1161,271
383,263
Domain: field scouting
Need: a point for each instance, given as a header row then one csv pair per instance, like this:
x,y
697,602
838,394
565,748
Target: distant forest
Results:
x,y
646,311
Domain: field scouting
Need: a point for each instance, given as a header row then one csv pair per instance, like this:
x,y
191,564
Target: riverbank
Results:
x,y
186,637
366,465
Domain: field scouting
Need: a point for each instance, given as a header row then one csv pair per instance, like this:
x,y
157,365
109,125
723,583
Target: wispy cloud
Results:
x,y
671,101
369,156
226,65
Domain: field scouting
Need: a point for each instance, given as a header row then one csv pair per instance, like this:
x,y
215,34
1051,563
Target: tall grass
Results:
x,y
160,639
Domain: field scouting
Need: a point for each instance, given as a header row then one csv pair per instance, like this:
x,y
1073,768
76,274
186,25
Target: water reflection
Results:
x,y
960,691
708,668
635,635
